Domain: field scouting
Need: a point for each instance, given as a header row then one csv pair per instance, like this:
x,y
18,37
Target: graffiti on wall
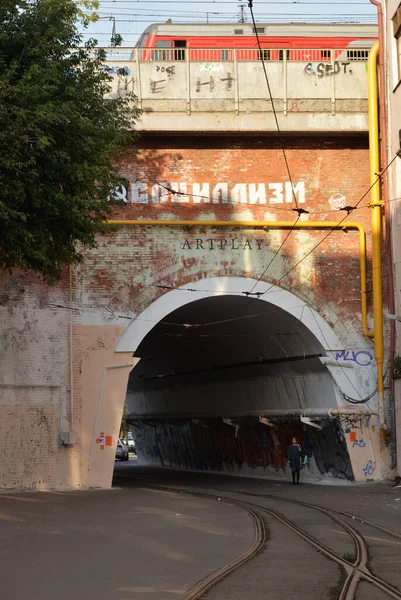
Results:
x,y
169,70
211,82
327,69
116,70
211,67
214,446
330,450
369,468
337,201
363,358
360,443
156,85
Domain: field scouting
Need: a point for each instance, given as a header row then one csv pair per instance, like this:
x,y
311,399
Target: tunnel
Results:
x,y
223,384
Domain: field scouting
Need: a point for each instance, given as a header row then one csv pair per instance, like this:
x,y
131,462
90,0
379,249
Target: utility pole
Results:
x,y
113,29
241,17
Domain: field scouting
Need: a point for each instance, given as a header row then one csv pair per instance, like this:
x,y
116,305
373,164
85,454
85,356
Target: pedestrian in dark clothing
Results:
x,y
294,459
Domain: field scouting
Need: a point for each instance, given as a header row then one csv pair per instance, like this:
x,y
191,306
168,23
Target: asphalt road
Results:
x,y
157,533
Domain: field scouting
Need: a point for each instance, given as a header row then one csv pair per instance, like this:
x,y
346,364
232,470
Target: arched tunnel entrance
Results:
x,y
225,381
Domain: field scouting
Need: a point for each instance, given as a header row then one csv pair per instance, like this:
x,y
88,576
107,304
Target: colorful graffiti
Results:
x,y
213,446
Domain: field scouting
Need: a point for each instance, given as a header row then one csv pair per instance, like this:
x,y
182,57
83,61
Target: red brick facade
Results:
x,y
217,179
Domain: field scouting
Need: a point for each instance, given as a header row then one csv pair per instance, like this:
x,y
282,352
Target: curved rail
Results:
x,y
356,571
198,590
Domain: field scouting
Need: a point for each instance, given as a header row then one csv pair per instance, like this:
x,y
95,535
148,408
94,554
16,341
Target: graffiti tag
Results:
x,y
327,69
350,422
116,70
210,83
229,81
211,67
156,86
359,443
337,201
363,358
169,70
369,468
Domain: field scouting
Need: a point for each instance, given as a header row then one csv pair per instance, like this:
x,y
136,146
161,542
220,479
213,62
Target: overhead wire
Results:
x,y
297,209
175,192
345,396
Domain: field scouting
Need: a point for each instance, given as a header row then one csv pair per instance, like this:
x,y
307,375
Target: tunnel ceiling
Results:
x,y
222,331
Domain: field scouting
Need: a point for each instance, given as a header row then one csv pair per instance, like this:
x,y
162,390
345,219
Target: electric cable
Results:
x,y
345,396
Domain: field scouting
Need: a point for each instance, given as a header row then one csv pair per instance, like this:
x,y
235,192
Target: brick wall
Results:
x,y
134,266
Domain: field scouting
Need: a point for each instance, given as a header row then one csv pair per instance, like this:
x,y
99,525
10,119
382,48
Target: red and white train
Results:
x,y
279,41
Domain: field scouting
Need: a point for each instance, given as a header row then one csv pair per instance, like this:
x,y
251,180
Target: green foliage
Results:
x,y
349,557
88,5
59,137
116,40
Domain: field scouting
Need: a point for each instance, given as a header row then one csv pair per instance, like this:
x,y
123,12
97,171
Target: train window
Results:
x,y
258,29
225,55
238,31
281,54
264,54
161,54
326,54
179,54
357,54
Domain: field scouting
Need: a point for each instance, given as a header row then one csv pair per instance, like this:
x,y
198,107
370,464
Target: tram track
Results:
x,y
320,507
211,580
356,571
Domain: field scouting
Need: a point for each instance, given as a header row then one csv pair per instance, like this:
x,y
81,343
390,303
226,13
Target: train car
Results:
x,y
279,41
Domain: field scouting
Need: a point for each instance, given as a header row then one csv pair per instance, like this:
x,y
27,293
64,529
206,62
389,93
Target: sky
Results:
x,y
133,16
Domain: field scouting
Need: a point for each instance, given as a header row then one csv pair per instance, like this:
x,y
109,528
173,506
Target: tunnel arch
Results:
x,y
347,375
174,389
210,287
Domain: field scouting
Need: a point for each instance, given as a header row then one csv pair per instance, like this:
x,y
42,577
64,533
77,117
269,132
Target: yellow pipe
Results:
x,y
376,206
316,225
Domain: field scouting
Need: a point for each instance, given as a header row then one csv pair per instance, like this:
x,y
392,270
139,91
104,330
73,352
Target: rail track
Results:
x,y
355,572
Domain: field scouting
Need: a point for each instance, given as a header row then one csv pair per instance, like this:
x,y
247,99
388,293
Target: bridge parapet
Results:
x,y
222,90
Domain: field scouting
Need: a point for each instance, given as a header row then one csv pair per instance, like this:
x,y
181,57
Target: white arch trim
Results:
x,y
346,376
206,288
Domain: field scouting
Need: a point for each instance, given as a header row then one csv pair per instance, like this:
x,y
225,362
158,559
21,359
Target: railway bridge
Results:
x,y
230,306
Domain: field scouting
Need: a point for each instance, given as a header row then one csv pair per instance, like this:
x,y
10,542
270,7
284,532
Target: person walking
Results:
x,y
294,459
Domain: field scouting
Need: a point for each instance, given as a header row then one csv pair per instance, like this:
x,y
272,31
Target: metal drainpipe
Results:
x,y
281,412
284,225
384,181
387,218
376,205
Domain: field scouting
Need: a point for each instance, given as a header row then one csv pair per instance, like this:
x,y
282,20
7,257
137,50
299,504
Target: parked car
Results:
x,y
121,450
131,442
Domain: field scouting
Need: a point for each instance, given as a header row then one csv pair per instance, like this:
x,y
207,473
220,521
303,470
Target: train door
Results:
x,y
179,53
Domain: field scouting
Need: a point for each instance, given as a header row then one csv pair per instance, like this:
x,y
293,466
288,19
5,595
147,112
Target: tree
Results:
x,y
60,139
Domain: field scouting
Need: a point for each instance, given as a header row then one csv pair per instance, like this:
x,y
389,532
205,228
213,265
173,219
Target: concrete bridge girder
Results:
x,y
230,95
